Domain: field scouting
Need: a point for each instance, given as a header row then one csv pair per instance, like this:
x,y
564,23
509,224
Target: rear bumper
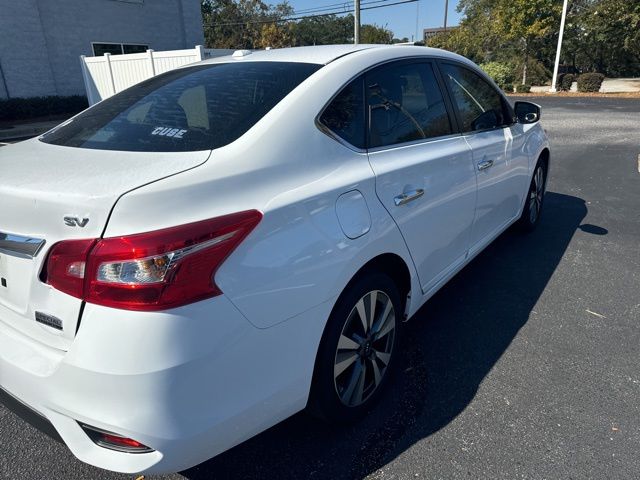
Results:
x,y
189,383
30,416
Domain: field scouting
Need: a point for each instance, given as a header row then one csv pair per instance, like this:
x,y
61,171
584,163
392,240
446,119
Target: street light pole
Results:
x,y
356,22
557,64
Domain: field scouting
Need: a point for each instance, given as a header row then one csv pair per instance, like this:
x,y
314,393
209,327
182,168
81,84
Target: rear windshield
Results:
x,y
189,109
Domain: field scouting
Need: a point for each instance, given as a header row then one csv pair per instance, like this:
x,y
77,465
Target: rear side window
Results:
x,y
344,116
405,104
189,109
479,105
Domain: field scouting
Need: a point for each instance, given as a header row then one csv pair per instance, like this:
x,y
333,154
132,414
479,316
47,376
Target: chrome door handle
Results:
x,y
485,164
408,197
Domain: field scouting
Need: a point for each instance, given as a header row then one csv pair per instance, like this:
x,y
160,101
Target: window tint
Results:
x,y
344,116
480,106
188,109
405,103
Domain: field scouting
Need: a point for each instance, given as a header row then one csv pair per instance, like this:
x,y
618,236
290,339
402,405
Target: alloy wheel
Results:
x,y
364,348
536,195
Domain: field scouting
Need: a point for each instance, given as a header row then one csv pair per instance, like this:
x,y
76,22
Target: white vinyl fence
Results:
x,y
107,75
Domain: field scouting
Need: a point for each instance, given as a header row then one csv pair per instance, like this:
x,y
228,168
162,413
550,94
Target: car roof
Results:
x,y
321,54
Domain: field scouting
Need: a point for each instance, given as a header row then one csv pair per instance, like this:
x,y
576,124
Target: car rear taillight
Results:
x,y
149,271
66,265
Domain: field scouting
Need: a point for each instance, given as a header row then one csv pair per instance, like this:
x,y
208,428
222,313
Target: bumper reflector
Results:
x,y
113,441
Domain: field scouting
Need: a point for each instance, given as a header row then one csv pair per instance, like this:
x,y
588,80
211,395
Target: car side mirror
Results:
x,y
527,112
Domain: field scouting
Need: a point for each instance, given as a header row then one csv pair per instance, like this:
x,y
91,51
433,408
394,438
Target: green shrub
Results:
x,y
537,73
565,80
502,73
508,88
523,88
590,82
41,107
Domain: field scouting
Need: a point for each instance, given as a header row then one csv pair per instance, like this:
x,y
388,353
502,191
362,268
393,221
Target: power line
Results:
x,y
291,19
329,6
345,6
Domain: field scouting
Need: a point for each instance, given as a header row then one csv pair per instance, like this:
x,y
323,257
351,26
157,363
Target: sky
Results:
x,y
400,19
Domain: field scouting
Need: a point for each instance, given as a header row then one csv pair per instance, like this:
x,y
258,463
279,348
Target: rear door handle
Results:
x,y
485,164
405,198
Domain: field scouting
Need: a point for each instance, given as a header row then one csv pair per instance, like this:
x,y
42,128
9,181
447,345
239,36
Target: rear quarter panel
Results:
x,y
298,256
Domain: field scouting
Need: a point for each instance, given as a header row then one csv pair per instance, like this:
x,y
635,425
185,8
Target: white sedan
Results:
x,y
203,255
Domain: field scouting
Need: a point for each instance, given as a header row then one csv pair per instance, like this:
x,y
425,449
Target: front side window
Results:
x,y
345,116
479,105
405,104
187,109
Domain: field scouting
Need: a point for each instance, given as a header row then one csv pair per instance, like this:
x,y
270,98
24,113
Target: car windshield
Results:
x,y
188,109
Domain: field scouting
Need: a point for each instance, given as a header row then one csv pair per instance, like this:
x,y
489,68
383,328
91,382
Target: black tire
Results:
x,y
534,202
330,398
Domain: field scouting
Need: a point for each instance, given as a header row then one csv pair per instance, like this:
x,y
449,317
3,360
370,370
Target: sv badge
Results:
x,y
75,221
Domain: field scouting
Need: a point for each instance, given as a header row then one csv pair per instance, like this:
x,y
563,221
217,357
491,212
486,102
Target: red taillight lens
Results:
x,y
128,443
66,266
113,441
150,271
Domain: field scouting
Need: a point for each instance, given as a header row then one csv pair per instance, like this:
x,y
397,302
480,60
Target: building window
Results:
x,y
99,49
130,48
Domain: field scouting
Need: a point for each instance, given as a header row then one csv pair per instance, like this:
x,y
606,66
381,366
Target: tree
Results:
x,y
325,30
238,23
600,35
275,35
250,24
526,22
375,34
503,30
475,38
604,36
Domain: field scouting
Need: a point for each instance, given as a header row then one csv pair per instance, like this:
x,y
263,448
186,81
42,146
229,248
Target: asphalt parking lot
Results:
x,y
526,365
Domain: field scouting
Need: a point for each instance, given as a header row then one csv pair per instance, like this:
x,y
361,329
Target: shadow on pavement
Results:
x,y
449,347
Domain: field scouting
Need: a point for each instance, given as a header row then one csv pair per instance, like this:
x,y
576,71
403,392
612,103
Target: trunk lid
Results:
x,y
50,193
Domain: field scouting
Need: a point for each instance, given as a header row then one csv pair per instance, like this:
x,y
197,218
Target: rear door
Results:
x,y
501,166
424,171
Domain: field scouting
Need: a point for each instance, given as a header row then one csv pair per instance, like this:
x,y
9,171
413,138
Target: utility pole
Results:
x,y
446,11
553,88
356,22
417,19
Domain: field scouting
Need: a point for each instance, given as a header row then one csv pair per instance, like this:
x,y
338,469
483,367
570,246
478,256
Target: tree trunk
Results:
x,y
526,61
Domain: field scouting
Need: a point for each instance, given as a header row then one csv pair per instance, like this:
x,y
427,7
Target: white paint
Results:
x,y
353,214
199,379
